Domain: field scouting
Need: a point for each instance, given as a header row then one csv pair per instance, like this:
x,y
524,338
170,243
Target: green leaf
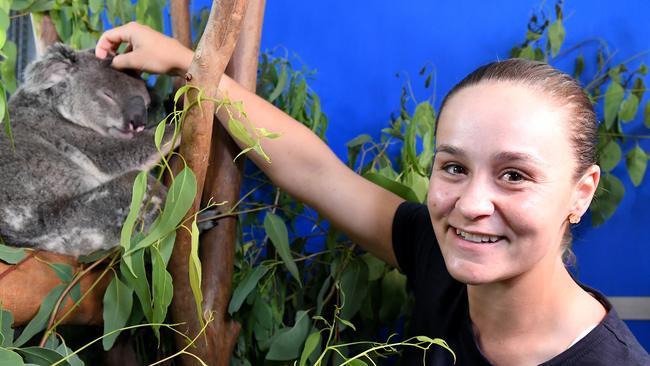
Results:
x,y
180,198
39,321
63,271
118,302
160,132
418,184
646,114
277,232
357,362
527,52
286,346
393,186
375,266
12,255
163,290
629,108
8,66
245,287
609,194
532,36
354,286
73,359
579,66
39,356
638,89
556,34
96,5
195,272
240,132
182,91
6,331
4,26
10,358
613,99
139,188
136,278
358,141
636,161
298,102
279,87
4,114
312,342
393,291
610,155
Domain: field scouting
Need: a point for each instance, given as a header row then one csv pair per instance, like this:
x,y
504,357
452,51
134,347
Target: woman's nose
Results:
x,y
475,200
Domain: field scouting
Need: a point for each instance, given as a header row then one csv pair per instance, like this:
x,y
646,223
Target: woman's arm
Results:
x,y
302,164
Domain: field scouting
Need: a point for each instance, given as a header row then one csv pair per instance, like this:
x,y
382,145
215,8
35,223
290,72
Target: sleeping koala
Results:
x,y
80,139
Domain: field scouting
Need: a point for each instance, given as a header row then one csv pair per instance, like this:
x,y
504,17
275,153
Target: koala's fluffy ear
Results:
x,y
53,68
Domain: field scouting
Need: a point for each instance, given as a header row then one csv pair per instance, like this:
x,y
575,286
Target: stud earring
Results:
x,y
574,218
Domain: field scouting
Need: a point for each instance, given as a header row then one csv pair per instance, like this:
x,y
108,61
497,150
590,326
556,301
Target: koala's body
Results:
x,y
80,140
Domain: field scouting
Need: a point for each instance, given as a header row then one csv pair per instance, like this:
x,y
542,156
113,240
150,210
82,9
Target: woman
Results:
x,y
514,166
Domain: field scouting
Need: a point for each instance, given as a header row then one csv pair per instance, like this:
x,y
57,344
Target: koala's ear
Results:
x,y
53,68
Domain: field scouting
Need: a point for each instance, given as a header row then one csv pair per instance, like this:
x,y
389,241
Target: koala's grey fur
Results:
x,y
78,126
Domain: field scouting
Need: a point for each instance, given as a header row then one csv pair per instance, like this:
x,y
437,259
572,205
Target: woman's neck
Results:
x,y
531,318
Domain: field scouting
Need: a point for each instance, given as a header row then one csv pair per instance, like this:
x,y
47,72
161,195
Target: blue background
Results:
x,y
357,48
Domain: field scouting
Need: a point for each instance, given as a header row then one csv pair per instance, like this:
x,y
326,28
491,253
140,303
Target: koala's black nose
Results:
x,y
135,113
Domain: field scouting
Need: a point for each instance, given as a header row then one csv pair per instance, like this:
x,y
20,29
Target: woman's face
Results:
x,y
502,183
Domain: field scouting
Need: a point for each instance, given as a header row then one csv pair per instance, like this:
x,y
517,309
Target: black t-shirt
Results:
x,y
441,309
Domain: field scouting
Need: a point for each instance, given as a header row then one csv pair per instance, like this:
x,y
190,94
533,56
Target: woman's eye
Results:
x,y
454,169
513,176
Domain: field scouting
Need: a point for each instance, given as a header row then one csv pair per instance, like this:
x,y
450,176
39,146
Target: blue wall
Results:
x,y
357,47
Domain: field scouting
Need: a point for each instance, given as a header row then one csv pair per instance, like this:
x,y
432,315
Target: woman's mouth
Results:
x,y
477,238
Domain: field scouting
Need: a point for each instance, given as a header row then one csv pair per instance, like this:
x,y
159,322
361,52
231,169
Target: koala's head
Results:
x,y
87,91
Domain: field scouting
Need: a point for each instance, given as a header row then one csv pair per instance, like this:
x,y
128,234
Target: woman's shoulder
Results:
x,y
610,343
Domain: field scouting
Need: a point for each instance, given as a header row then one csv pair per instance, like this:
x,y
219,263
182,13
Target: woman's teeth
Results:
x,y
477,238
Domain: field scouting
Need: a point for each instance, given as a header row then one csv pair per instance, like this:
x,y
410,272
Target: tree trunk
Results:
x,y
223,182
210,59
181,29
44,32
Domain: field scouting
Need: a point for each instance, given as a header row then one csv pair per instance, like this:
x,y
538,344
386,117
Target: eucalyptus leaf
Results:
x,y
629,108
72,359
610,155
354,286
10,358
12,255
8,66
311,343
139,188
637,162
609,194
163,290
393,186
180,198
118,302
393,291
556,34
240,132
6,330
195,272
298,102
279,87
646,114
277,232
63,271
40,356
286,346
245,287
613,100
136,278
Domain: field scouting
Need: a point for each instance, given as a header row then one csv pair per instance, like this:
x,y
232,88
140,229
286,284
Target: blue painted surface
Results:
x,y
358,46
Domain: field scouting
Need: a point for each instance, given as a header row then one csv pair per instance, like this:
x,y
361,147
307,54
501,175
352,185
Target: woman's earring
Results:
x,y
574,218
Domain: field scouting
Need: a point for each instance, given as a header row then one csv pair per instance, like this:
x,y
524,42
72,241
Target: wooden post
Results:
x,y
210,59
44,32
223,183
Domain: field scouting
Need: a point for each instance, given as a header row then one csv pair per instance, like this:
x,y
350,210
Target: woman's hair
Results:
x,y
559,87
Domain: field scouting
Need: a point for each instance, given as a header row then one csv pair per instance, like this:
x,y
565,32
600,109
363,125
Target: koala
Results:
x,y
81,136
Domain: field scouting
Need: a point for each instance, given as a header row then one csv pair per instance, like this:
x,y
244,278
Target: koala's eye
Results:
x,y
107,95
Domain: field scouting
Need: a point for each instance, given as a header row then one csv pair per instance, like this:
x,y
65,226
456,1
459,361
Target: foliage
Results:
x,y
292,271
617,92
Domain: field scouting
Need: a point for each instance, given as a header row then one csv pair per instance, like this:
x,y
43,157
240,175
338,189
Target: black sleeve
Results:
x,y
414,241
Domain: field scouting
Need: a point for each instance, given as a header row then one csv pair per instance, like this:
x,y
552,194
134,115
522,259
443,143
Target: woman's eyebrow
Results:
x,y
449,149
510,156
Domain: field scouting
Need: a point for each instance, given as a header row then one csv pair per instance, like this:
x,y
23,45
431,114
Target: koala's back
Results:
x,y
80,138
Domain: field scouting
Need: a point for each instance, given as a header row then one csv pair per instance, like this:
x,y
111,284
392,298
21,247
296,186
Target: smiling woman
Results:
x,y
514,165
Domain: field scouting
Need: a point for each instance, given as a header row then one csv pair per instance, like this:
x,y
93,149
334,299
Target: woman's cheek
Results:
x,y
440,198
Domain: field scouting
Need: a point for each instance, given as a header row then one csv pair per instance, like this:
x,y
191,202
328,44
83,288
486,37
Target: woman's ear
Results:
x,y
585,190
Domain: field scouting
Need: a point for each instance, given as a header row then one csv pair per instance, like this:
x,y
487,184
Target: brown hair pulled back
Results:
x,y
560,87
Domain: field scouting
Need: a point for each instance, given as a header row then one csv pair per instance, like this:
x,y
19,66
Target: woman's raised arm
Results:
x,y
302,164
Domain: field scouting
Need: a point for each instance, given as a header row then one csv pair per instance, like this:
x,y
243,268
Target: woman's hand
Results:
x,y
147,50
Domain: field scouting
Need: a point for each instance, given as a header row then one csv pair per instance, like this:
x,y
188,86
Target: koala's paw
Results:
x,y
206,220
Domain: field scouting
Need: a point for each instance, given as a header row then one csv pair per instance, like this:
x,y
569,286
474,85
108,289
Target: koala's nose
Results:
x,y
135,113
